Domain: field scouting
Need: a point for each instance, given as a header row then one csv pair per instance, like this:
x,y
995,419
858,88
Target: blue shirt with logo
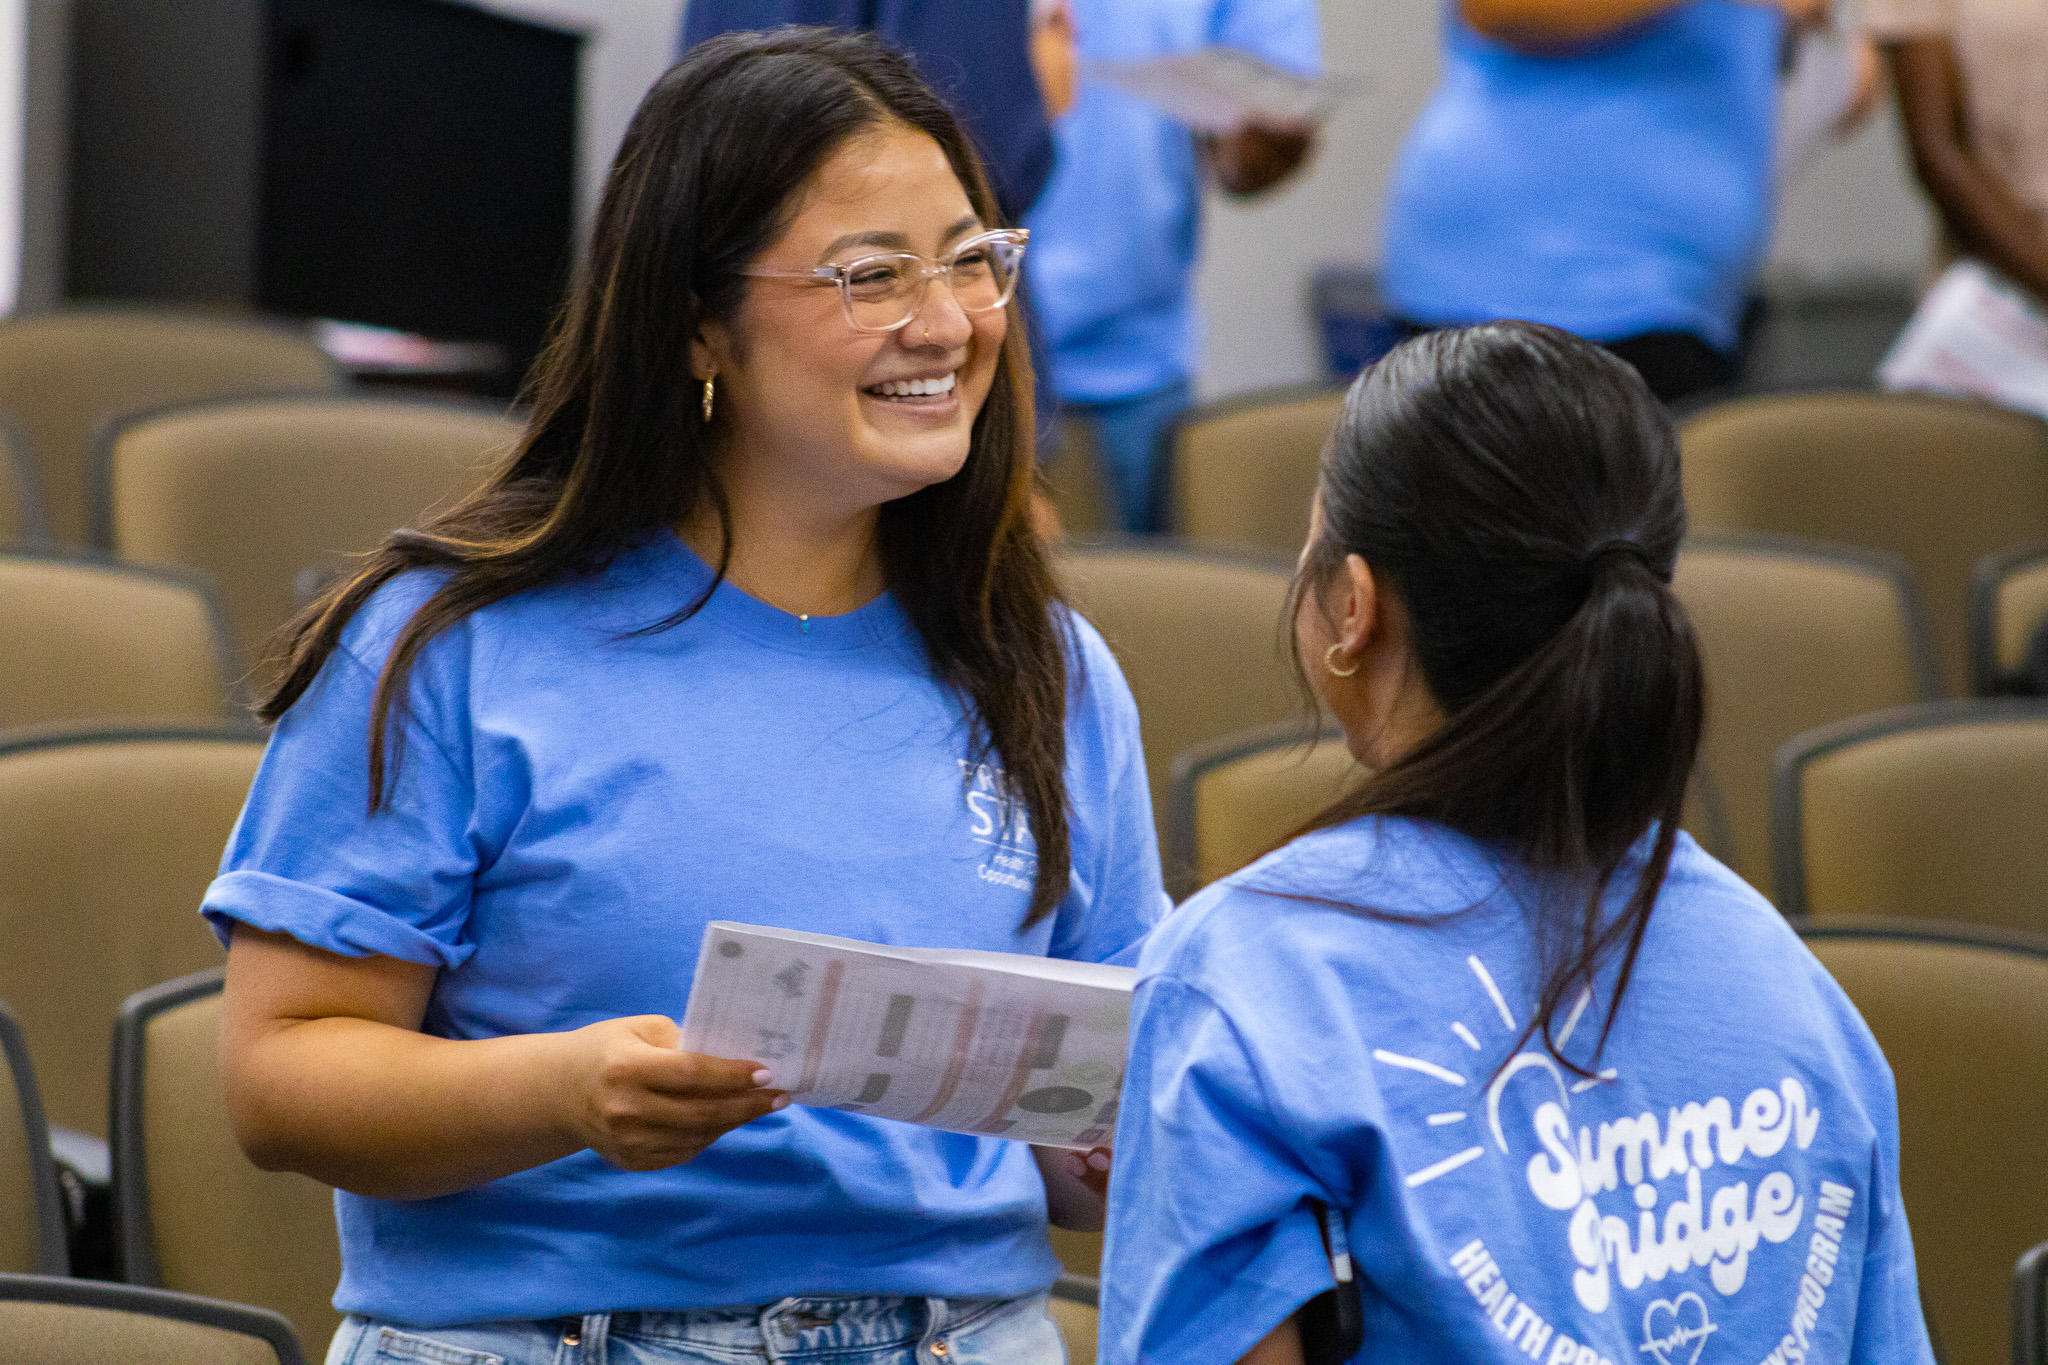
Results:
x,y
1615,188
1114,239
1723,1186
574,804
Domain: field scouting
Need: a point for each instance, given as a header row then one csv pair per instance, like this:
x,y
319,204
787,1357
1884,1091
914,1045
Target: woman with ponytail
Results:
x,y
1493,1063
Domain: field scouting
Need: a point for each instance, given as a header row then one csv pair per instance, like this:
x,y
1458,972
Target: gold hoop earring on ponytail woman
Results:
x,y
1330,662
709,391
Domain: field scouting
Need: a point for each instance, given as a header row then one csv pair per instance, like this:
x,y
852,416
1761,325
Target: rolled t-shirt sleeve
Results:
x,y
309,860
1212,1233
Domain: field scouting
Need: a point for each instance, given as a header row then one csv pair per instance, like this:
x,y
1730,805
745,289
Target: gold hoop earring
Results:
x,y
709,389
1330,662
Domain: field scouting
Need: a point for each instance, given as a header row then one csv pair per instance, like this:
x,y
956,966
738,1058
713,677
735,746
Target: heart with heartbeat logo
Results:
x,y
1675,1330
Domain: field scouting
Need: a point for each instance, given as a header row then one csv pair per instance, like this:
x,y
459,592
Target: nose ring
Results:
x,y
927,334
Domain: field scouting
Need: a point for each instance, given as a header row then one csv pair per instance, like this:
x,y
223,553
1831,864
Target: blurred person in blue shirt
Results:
x,y
1605,166
1116,235
1496,1046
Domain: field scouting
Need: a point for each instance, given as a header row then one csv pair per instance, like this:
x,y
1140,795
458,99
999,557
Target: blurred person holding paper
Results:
x,y
752,625
1494,1064
1116,237
1972,83
1604,166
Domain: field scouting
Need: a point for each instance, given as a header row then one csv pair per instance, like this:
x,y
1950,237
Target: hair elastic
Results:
x,y
1607,549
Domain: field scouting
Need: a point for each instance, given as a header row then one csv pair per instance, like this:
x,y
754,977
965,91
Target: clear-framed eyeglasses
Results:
x,y
883,292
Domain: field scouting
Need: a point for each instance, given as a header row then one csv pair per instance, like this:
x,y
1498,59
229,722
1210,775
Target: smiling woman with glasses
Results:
x,y
752,625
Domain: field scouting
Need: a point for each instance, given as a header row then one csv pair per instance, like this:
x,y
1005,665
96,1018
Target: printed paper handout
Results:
x,y
995,1044
1221,90
1975,333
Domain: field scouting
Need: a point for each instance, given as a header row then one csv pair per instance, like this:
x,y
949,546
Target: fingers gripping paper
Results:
x,y
995,1044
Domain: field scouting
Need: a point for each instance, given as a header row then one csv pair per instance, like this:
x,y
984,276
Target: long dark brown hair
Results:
x,y
710,173
1518,490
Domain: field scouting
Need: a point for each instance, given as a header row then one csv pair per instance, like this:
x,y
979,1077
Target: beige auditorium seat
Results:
x,y
1236,798
190,1212
2008,604
109,842
258,493
47,1320
1935,810
1962,1016
65,376
31,1219
1071,480
1792,635
1941,482
1073,1307
88,642
1197,635
1243,472
22,520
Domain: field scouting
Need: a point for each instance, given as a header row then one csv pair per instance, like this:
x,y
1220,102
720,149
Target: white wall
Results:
x,y
1853,214
13,138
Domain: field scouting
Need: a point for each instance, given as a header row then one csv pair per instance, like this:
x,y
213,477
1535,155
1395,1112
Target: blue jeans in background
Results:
x,y
827,1331
1129,435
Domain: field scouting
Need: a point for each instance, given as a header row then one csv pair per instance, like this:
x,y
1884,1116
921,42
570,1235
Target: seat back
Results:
x,y
22,520
1235,798
1074,1306
1962,1017
1938,481
1243,472
1792,636
65,376
50,1320
95,643
109,843
2030,1307
1198,638
1925,809
2008,604
190,1212
31,1220
257,493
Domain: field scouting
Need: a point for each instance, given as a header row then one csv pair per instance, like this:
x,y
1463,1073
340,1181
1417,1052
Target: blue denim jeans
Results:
x,y
876,1331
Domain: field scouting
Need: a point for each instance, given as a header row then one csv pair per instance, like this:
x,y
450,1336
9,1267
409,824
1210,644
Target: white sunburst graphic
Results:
x,y
1490,1097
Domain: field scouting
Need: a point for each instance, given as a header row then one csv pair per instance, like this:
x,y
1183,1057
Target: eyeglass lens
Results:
x,y
883,292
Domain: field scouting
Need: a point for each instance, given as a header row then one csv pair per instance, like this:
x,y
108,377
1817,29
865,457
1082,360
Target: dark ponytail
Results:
x,y
1518,489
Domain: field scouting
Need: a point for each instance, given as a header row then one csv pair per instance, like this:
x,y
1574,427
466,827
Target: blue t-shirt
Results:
x,y
1114,238
1624,187
573,806
1731,1180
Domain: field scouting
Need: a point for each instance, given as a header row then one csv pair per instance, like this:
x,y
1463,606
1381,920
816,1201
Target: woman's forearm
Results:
x,y
1978,210
393,1114
327,1074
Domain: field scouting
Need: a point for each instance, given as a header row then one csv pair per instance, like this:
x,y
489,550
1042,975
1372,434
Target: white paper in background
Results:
x,y
1815,98
1222,89
1975,333
995,1044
